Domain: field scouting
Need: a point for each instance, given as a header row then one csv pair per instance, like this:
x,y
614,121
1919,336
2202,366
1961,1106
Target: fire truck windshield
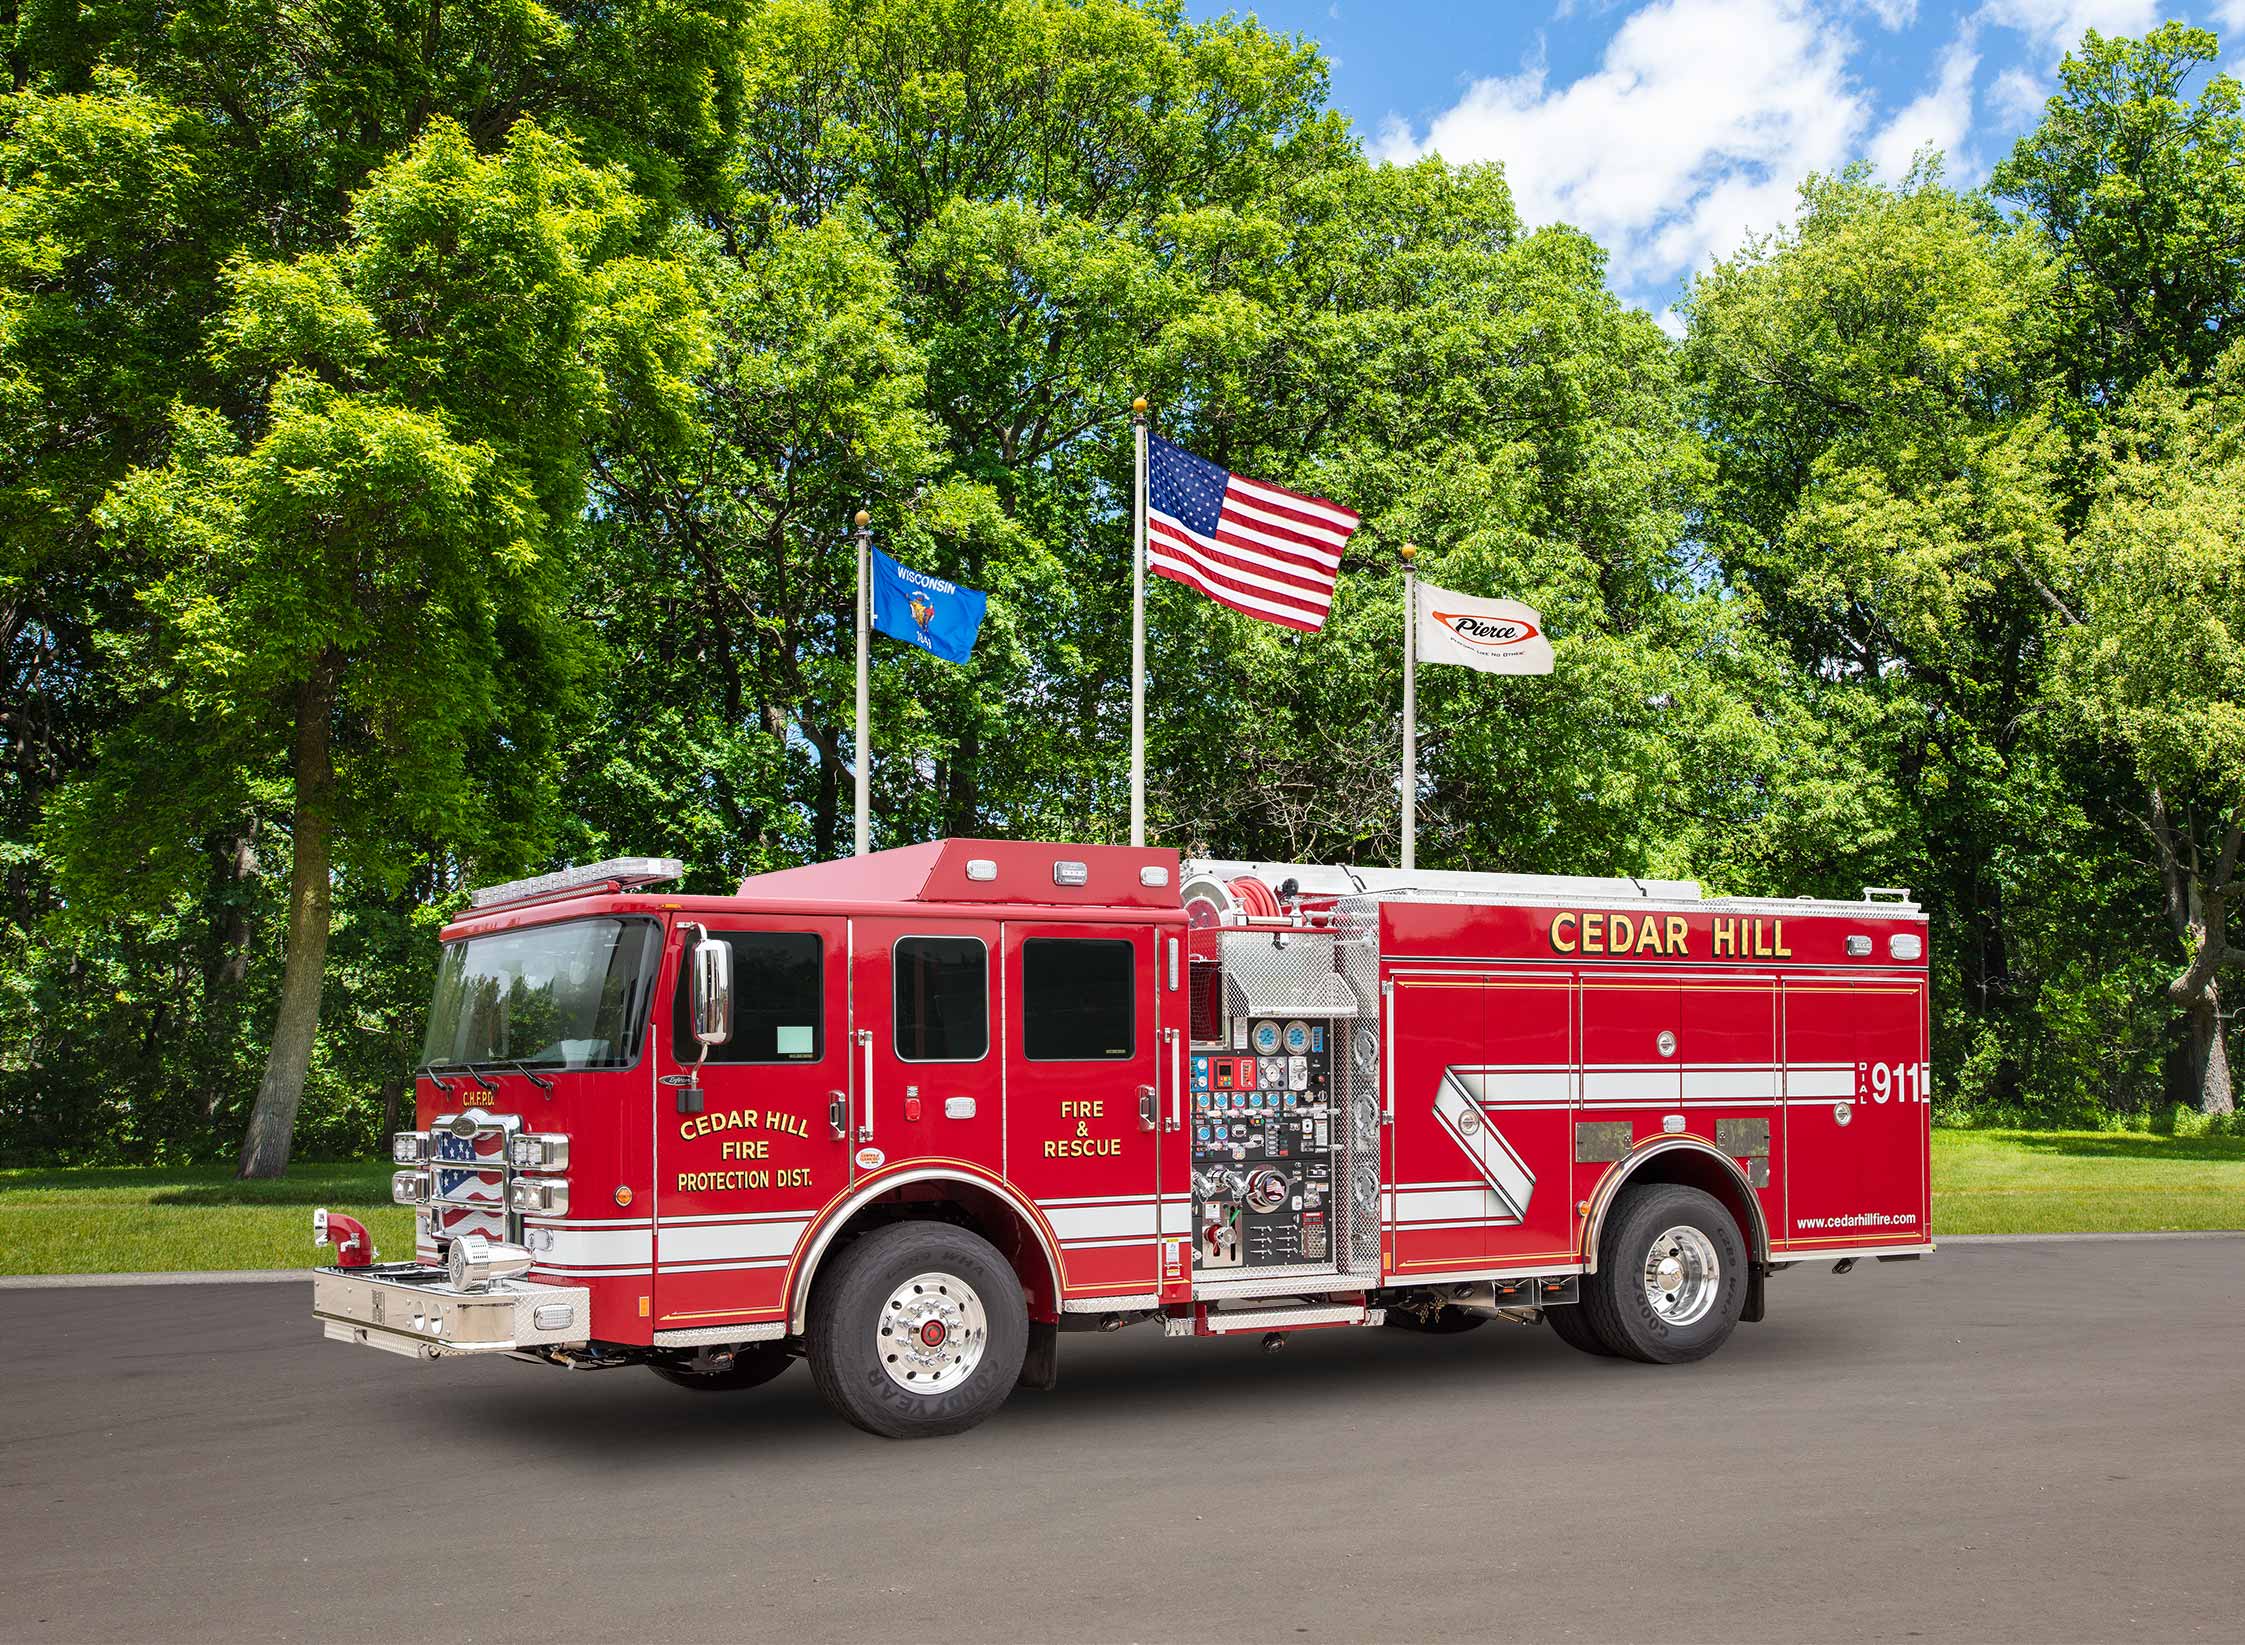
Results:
x,y
570,995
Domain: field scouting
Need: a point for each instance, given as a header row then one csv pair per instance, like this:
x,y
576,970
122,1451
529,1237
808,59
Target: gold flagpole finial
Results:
x,y
1138,406
863,519
1409,551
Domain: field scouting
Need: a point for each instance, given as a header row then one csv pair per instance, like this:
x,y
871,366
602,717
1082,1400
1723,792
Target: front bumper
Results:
x,y
407,1309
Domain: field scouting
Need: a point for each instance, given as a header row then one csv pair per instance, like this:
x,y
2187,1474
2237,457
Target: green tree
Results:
x,y
2151,659
1886,482
2140,194
359,584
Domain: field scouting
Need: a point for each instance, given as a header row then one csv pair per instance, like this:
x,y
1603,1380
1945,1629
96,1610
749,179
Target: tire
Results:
x,y
1618,1300
1572,1325
1443,1322
754,1364
865,1366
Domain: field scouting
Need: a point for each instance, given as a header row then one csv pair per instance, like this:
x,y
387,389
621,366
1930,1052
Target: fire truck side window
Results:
x,y
779,1006
942,992
1076,1000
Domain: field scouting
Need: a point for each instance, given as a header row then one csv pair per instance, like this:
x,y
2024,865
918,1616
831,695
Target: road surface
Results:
x,y
2027,1442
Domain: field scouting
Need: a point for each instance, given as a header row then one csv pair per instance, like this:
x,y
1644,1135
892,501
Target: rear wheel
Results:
x,y
1671,1280
1572,1326
917,1329
753,1365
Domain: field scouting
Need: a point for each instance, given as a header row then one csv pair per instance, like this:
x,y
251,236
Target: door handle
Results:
x,y
1176,1079
1387,1052
838,1115
865,1129
1146,1108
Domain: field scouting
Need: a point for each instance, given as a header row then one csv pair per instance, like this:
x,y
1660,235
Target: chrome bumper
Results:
x,y
407,1309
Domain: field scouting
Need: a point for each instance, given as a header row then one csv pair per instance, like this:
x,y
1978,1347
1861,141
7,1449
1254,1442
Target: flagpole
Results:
x,y
864,712
1410,711
1138,630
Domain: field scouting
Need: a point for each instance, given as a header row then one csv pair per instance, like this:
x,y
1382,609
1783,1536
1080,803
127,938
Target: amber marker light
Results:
x,y
623,1196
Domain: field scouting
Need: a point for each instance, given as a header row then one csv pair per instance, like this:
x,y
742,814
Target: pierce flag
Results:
x,y
1495,636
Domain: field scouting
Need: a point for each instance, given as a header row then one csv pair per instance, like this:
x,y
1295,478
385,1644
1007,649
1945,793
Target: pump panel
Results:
x,y
1267,1130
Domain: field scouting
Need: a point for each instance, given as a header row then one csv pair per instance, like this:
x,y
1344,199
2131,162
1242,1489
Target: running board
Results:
x,y
1209,1322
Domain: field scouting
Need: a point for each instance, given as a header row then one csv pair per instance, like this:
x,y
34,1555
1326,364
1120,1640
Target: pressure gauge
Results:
x,y
1297,1039
1267,1039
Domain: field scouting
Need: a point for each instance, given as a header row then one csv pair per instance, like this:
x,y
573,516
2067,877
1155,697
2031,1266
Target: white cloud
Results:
x,y
1893,14
1694,130
2231,14
1940,117
2058,25
2017,98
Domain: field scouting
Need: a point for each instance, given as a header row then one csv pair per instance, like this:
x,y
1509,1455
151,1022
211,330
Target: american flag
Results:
x,y
1260,549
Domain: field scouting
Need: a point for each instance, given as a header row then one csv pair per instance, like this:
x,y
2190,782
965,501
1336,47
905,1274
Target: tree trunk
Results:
x,y
827,809
393,1088
272,1121
2209,1056
962,804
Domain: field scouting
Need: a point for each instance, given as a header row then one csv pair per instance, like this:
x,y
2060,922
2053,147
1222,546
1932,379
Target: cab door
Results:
x,y
752,1143
1084,1112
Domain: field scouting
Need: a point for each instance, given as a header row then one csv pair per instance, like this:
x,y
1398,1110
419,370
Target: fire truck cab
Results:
x,y
913,1116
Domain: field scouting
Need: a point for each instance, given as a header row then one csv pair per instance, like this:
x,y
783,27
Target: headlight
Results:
x,y
474,1262
538,1199
410,1187
409,1147
538,1151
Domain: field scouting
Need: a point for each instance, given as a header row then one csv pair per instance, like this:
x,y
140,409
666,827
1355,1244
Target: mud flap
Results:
x,y
1040,1366
1757,1275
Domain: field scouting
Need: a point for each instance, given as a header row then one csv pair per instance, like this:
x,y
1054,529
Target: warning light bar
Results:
x,y
623,872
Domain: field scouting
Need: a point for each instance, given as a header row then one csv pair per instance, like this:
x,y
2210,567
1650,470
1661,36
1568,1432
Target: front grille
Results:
x,y
469,1176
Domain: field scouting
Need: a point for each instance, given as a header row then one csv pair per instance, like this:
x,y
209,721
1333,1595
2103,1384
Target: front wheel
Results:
x,y
917,1329
1671,1280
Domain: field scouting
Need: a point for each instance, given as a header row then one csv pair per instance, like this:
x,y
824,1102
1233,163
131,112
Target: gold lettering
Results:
x,y
1678,931
1761,941
1563,932
704,1182
1782,952
1594,933
1621,934
1081,1147
1726,938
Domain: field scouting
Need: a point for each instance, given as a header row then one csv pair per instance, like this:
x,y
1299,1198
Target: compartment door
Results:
x,y
1855,1111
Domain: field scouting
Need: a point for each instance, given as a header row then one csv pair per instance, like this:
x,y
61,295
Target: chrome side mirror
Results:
x,y
712,963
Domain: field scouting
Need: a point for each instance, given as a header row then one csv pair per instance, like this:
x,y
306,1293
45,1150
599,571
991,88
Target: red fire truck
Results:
x,y
914,1115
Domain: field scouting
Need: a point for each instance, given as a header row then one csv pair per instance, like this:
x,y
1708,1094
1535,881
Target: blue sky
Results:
x,y
1671,128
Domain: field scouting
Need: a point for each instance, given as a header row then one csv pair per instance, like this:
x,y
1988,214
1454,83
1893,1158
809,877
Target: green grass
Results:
x,y
152,1219
125,1219
2053,1182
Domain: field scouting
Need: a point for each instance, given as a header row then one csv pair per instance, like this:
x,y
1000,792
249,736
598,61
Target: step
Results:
x,y
1316,1316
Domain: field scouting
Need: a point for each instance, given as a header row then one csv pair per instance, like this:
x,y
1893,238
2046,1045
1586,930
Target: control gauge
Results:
x,y
1297,1039
1267,1039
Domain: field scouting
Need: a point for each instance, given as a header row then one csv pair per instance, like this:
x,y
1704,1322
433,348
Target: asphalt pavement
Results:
x,y
2035,1442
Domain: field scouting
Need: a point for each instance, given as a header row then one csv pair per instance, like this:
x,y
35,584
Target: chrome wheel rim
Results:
x,y
1682,1275
931,1333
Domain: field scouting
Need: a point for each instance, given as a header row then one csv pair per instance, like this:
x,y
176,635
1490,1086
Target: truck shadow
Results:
x,y
1131,1388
